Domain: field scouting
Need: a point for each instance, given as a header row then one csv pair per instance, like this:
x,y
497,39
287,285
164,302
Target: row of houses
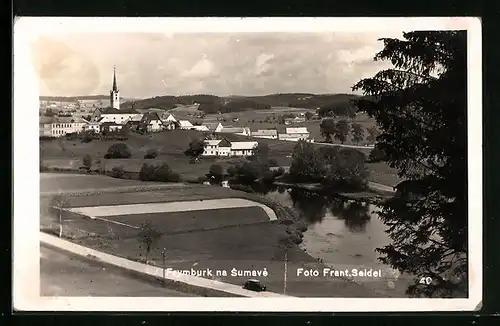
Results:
x,y
110,120
291,134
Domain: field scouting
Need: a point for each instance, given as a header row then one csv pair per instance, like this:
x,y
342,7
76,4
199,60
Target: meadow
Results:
x,y
238,239
255,120
170,145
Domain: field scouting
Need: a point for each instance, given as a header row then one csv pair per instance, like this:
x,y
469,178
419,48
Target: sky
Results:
x,y
222,64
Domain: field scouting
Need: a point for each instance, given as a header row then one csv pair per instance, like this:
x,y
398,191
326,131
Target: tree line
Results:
x,y
341,129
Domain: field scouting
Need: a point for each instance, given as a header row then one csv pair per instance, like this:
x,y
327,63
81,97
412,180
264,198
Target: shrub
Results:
x,y
268,176
280,171
87,161
216,173
272,162
376,155
151,153
118,150
47,138
162,173
242,187
118,172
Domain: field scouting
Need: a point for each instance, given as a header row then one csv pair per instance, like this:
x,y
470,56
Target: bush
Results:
x,y
118,150
241,187
47,138
118,172
197,180
272,162
376,155
151,153
268,176
162,173
216,173
279,172
87,161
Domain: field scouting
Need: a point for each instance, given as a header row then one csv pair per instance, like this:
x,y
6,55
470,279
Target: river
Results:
x,y
344,234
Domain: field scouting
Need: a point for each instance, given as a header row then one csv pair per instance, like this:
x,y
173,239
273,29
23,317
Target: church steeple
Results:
x,y
114,94
115,88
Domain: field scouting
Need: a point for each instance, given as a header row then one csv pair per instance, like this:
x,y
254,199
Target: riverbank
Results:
x,y
374,193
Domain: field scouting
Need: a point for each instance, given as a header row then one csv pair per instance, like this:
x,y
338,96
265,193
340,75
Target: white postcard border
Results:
x,y
26,246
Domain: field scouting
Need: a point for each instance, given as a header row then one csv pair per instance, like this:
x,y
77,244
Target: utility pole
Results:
x,y
286,269
163,253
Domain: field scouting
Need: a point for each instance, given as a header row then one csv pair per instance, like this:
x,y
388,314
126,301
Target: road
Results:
x,y
345,145
65,275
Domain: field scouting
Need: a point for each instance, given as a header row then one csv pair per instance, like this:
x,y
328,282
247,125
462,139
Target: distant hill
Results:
x,y
238,103
77,98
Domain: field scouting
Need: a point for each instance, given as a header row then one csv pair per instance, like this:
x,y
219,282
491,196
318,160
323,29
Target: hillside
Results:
x,y
236,103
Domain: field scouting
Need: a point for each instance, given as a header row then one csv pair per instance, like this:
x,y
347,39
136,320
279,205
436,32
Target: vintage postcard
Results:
x,y
296,164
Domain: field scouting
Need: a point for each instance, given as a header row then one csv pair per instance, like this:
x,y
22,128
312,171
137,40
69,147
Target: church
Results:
x,y
113,113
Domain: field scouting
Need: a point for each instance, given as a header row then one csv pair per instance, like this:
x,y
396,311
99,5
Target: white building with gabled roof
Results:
x,y
243,148
185,125
295,134
223,147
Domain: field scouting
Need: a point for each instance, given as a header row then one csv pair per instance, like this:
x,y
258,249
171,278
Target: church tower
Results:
x,y
114,94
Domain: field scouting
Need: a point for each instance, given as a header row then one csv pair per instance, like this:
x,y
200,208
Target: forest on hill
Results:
x,y
212,104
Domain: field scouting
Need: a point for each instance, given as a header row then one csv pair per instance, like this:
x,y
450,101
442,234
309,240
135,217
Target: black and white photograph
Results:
x,y
313,159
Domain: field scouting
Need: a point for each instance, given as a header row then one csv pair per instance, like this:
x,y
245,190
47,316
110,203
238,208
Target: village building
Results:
x,y
185,125
167,117
294,134
222,147
243,148
150,122
113,113
289,121
106,127
170,125
60,126
200,128
217,147
133,123
266,133
213,126
92,126
244,131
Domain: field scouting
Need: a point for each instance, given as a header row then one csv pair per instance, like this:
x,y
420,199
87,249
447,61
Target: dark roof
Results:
x,y
150,116
133,122
107,124
224,143
110,110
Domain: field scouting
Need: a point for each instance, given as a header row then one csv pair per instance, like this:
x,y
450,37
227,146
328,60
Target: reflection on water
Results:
x,y
340,231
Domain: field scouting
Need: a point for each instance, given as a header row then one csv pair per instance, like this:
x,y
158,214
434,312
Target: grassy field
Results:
x,y
244,247
255,121
205,241
174,222
382,173
171,146
69,182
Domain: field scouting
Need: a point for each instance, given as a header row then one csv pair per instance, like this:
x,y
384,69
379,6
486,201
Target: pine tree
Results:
x,y
420,106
